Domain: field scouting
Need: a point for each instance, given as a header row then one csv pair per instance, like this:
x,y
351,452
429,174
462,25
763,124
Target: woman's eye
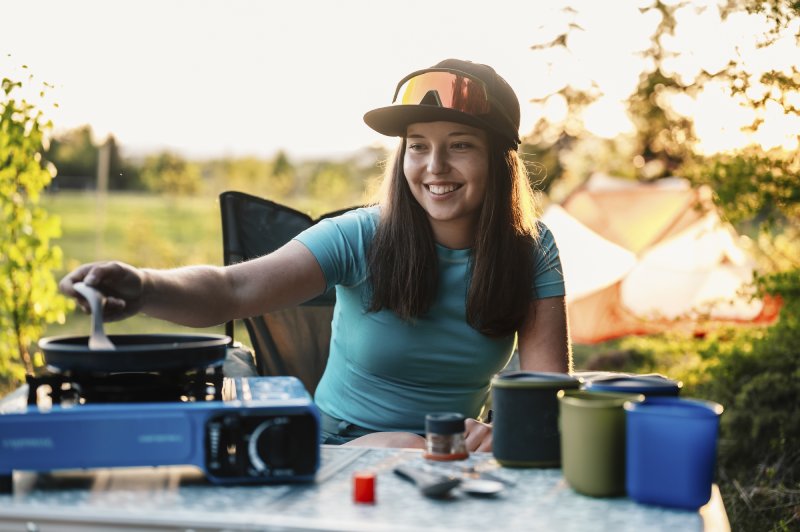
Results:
x,y
461,145
416,147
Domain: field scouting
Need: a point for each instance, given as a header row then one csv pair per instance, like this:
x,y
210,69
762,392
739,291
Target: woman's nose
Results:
x,y
437,163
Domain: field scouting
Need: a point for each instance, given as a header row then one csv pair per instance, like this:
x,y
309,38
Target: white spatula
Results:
x,y
98,341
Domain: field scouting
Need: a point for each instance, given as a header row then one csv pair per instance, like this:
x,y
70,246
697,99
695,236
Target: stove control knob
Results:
x,y
268,448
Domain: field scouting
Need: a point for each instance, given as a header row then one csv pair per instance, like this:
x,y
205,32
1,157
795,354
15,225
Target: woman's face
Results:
x,y
447,167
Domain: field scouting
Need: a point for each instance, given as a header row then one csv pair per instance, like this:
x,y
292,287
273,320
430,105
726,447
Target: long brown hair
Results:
x,y
403,265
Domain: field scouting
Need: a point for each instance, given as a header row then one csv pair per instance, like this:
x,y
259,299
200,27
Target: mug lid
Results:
x,y
591,399
676,407
535,379
635,384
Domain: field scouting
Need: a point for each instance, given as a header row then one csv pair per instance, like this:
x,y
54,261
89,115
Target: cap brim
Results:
x,y
394,120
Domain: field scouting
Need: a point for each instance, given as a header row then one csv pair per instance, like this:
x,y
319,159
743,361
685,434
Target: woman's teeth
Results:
x,y
442,189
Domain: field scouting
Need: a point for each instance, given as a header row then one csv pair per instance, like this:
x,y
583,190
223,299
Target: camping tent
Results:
x,y
642,258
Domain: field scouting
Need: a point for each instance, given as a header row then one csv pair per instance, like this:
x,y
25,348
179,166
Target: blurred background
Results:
x,y
661,136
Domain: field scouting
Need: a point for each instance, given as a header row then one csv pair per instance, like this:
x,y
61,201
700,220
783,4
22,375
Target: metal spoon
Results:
x,y
474,482
432,485
481,488
98,341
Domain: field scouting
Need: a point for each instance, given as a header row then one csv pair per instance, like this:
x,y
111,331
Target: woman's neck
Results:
x,y
454,234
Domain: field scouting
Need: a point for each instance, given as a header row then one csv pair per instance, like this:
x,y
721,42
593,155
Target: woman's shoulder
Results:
x,y
543,245
544,237
363,218
356,224
366,214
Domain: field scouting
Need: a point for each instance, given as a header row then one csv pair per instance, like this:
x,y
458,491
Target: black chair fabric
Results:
x,y
293,341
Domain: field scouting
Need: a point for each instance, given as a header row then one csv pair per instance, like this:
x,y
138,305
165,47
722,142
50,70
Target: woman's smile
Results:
x,y
442,190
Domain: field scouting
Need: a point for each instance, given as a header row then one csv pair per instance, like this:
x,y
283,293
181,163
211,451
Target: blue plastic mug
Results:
x,y
671,449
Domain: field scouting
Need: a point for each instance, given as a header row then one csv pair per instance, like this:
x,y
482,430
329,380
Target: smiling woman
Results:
x,y
457,210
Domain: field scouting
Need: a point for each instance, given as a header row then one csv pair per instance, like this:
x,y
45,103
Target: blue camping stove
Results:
x,y
252,430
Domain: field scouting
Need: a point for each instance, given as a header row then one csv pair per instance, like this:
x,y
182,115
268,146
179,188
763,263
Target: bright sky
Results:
x,y
249,77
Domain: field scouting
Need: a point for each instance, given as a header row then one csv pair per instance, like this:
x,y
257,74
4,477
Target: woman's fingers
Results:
x,y
120,283
477,436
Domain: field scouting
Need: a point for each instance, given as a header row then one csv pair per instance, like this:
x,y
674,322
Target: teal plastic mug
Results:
x,y
593,441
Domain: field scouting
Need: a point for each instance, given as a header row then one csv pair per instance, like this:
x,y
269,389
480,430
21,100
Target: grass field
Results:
x,y
141,229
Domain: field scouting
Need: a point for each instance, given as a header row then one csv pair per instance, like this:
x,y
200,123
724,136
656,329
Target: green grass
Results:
x,y
150,230
141,229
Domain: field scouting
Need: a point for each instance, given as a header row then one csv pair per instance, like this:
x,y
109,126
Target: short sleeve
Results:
x,y
548,276
340,245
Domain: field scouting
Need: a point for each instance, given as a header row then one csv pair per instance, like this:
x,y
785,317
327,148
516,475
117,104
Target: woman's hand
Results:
x,y
120,283
478,436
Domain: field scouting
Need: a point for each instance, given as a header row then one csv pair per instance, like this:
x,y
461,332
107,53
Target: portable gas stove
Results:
x,y
237,430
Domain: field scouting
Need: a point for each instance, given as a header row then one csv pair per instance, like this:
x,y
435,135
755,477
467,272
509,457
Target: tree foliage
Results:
x,y
28,294
665,140
75,153
752,372
170,173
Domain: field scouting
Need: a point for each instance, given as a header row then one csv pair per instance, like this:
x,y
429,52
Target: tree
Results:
x,y
282,177
28,296
122,174
752,181
330,182
169,173
75,154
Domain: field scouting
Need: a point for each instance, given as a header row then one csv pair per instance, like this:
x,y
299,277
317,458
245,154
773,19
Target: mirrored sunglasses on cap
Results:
x,y
446,88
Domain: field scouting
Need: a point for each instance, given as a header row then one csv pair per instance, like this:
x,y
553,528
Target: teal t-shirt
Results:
x,y
385,373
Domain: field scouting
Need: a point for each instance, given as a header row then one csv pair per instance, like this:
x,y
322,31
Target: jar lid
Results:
x,y
536,379
444,423
653,384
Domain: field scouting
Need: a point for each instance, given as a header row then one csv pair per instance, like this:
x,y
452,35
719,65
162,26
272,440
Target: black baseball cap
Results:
x,y
454,91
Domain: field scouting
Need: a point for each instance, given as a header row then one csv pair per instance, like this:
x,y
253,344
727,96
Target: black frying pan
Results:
x,y
135,352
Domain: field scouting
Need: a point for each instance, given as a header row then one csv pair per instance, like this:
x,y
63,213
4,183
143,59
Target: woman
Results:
x,y
432,285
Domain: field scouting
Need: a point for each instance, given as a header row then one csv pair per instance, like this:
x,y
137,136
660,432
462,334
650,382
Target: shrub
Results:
x,y
28,296
755,375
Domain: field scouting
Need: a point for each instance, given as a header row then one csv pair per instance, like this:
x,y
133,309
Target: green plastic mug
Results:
x,y
593,441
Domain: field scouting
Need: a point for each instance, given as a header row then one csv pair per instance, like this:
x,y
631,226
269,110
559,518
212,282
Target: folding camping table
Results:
x,y
179,498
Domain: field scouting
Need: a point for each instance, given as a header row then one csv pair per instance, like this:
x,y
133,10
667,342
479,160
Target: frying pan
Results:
x,y
135,352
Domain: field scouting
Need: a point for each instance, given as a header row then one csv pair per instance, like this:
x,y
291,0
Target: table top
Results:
x,y
179,498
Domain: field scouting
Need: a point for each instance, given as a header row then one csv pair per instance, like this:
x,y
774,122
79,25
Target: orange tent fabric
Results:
x,y
643,258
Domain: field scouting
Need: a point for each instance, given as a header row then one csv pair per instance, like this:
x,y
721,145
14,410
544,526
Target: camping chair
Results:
x,y
293,341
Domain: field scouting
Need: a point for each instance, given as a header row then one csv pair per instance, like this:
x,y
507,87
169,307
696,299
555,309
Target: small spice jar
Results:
x,y
444,436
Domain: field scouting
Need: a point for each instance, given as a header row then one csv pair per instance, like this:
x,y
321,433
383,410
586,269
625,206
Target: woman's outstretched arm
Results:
x,y
202,296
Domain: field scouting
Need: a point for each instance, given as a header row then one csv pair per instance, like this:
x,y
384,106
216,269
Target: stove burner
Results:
x,y
70,387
